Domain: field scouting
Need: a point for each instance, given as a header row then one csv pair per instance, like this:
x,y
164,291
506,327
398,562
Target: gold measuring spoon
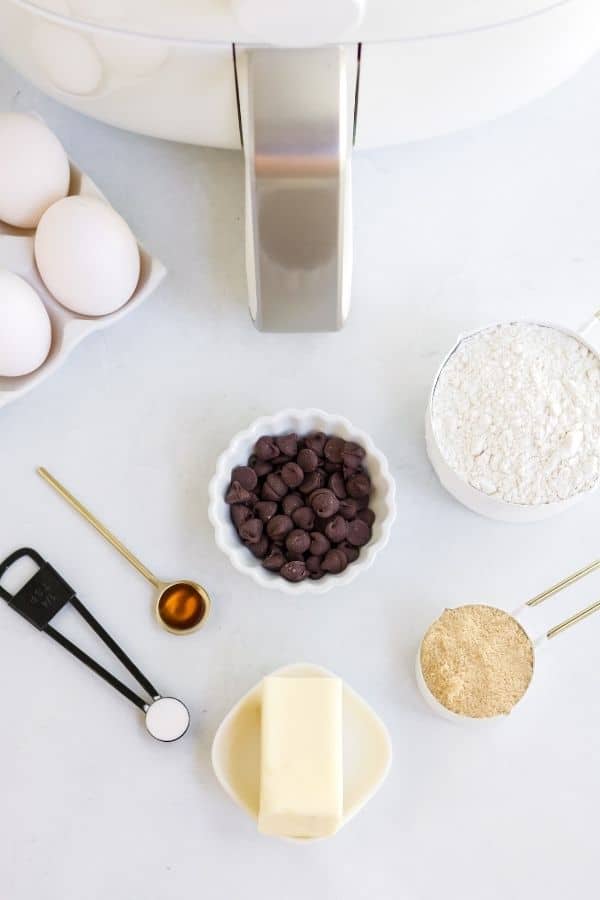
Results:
x,y
181,606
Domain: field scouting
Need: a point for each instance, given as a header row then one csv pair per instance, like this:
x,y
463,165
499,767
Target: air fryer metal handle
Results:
x,y
297,116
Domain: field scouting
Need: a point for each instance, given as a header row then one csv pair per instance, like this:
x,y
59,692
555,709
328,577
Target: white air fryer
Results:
x,y
298,84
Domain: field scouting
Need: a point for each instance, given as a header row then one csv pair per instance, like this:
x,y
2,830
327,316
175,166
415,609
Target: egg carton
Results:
x,y
68,328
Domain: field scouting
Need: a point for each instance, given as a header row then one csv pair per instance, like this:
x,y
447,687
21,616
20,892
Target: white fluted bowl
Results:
x,y
301,421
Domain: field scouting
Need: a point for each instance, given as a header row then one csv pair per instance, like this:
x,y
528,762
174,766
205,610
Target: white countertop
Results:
x,y
496,223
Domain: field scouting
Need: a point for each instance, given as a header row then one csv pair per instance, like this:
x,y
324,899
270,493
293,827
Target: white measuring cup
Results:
x,y
490,505
537,644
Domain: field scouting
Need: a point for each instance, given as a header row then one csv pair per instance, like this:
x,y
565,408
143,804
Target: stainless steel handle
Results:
x,y
296,116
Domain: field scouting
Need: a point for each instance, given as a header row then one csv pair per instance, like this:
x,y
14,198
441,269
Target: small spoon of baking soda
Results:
x,y
181,606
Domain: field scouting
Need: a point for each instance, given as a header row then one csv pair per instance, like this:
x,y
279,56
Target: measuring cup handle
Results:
x,y
591,332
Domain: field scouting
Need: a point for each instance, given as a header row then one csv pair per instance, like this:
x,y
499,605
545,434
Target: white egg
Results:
x,y
87,256
34,169
25,331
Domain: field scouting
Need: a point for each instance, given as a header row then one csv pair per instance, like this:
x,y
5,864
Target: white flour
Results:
x,y
516,413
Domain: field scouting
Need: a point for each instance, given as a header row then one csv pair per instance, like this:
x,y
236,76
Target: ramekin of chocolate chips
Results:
x,y
304,503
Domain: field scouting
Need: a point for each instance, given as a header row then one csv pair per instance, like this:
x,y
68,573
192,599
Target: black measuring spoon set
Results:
x,y
44,596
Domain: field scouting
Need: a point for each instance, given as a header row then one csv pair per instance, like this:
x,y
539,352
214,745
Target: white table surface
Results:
x,y
500,222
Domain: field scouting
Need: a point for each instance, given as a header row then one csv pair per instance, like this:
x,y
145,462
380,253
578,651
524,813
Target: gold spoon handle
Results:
x,y
578,617
102,529
565,583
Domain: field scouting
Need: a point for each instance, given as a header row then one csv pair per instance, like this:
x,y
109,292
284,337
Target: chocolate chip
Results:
x,y
261,467
251,531
348,509
367,516
352,455
265,509
245,476
288,444
359,485
275,560
278,527
292,474
336,529
334,562
277,484
359,533
294,570
319,545
333,450
313,481
297,541
351,553
291,502
308,460
239,514
316,441
304,517
324,502
238,494
314,576
266,448
261,548
313,564
336,484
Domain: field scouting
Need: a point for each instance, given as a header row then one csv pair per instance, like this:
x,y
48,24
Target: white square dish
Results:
x,y
367,747
68,328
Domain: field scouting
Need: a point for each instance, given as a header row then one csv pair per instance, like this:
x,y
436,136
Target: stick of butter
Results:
x,y
302,772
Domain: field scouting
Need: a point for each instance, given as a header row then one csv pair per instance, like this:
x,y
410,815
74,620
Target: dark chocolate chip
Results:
x,y
319,545
313,564
359,485
324,502
238,494
314,576
316,441
334,562
294,570
333,450
292,474
367,516
297,541
265,509
251,531
239,514
261,548
313,481
246,476
278,527
266,448
352,455
348,509
359,533
291,502
288,444
336,484
261,467
336,529
308,460
275,560
277,484
304,517
350,552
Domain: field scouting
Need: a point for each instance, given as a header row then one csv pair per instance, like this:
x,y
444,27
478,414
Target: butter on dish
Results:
x,y
301,774
237,755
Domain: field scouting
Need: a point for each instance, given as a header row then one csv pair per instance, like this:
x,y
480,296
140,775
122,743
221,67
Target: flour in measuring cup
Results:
x,y
516,413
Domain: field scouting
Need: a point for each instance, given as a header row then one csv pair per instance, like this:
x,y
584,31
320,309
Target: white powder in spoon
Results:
x,y
516,413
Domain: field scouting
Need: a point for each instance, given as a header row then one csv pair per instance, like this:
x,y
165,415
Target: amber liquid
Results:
x,y
181,607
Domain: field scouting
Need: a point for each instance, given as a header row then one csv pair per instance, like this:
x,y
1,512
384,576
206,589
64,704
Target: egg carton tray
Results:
x,y
68,328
